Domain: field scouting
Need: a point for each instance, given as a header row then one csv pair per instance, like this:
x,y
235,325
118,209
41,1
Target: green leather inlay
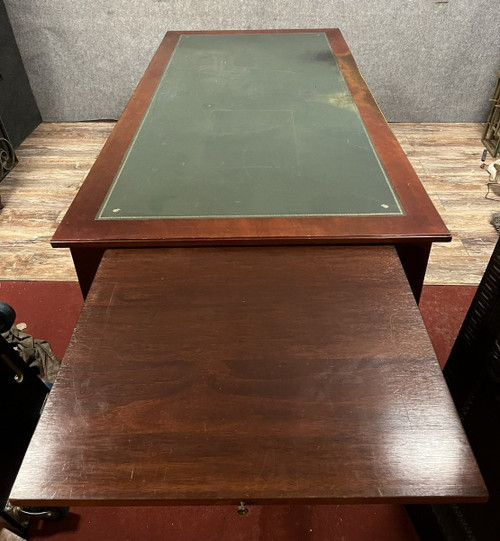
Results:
x,y
251,125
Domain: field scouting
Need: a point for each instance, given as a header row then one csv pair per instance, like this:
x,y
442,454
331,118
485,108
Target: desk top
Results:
x,y
293,374
251,137
248,125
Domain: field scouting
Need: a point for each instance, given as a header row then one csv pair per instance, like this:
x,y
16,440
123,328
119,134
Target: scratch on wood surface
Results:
x,y
269,459
77,407
391,324
110,303
111,297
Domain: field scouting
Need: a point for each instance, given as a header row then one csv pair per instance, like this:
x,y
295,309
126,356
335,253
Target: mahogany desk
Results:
x,y
251,138
261,374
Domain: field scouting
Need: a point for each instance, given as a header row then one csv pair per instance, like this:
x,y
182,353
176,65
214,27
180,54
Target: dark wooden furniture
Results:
x,y
22,395
257,374
412,232
473,376
18,107
491,133
8,158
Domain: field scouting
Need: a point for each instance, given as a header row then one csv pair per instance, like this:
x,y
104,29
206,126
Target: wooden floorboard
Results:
x,y
447,157
55,159
53,162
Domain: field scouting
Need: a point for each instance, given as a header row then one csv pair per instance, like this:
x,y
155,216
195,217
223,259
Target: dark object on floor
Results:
x,y
8,158
18,108
22,395
491,134
7,317
473,376
34,352
495,221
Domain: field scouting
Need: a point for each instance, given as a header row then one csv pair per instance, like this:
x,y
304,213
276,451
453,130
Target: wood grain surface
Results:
x,y
421,222
446,157
214,375
53,163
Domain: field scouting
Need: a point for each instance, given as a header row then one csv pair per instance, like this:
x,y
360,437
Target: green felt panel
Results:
x,y
251,125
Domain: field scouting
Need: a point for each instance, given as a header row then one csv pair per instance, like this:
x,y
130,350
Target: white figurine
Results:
x,y
493,170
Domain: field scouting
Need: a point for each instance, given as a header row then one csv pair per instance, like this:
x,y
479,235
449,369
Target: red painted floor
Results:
x,y
51,309
270,523
443,309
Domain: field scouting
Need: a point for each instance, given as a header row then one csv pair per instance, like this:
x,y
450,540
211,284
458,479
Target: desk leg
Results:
x,y
86,262
414,257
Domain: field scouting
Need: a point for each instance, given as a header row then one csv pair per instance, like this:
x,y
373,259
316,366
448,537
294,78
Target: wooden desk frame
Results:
x,y
412,233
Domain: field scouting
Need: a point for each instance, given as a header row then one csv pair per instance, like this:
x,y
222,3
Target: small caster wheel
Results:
x,y
44,513
242,509
7,317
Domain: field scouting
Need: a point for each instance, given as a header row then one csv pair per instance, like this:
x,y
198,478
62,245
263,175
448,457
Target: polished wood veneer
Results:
x,y
421,222
264,374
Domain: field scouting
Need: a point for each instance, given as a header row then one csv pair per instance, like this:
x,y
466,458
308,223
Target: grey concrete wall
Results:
x,y
424,60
